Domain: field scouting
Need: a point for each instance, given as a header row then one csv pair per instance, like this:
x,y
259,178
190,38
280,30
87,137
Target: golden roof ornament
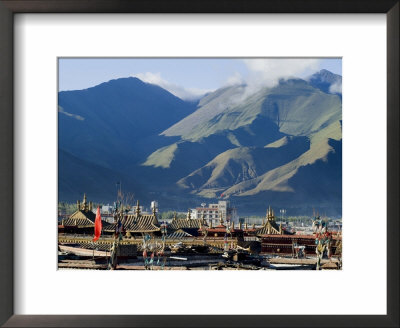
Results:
x,y
270,215
240,225
137,208
84,203
189,214
245,225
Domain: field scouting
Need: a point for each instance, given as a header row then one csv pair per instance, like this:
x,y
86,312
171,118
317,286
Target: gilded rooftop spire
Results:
x,y
270,214
137,208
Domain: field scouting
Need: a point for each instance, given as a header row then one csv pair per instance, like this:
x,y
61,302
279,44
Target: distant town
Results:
x,y
213,236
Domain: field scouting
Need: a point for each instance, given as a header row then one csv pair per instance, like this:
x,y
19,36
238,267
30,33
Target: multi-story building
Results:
x,y
214,212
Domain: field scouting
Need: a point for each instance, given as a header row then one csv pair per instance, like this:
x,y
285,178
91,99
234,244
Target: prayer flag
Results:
x,y
97,225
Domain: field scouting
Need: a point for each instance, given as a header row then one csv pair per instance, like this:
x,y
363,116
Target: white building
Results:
x,y
213,212
154,205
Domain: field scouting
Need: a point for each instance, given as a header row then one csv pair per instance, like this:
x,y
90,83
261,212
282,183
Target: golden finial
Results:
x,y
78,205
175,215
270,215
189,214
85,206
137,208
245,225
240,225
233,225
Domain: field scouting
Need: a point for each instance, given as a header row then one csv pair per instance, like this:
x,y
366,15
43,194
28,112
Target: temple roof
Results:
x,y
80,218
83,217
186,223
179,234
137,223
270,227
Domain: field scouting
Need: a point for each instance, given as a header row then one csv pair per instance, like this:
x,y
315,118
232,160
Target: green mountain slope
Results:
x,y
279,179
243,163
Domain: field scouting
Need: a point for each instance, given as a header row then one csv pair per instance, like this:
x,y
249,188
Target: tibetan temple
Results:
x,y
187,225
82,220
137,224
270,237
270,226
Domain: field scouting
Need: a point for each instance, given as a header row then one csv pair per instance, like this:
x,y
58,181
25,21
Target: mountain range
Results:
x,y
278,146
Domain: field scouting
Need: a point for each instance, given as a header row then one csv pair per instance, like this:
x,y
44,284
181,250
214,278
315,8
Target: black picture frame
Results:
x,y
10,7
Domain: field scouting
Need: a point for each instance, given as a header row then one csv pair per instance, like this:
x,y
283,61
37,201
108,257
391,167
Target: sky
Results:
x,y
189,78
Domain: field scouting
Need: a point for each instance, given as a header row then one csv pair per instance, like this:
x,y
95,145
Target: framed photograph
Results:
x,y
204,164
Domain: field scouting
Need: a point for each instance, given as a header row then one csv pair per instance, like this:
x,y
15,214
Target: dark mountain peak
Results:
x,y
326,81
133,83
325,76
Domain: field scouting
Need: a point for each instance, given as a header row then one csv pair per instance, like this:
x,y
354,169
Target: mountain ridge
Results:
x,y
241,147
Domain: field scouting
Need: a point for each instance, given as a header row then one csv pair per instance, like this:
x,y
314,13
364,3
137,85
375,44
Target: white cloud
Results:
x,y
267,72
183,93
262,73
336,87
235,79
